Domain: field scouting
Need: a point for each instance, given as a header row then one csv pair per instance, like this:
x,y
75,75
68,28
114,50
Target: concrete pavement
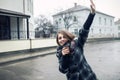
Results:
x,y
103,57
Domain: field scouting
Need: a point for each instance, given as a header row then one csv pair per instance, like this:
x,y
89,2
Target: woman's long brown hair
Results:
x,y
67,34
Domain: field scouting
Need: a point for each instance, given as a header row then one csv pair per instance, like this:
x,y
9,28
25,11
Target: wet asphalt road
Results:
x,y
104,58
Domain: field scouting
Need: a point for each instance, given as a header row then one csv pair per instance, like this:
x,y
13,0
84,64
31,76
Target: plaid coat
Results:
x,y
74,65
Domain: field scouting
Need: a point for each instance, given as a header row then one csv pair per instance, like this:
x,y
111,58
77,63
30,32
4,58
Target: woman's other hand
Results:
x,y
92,7
65,50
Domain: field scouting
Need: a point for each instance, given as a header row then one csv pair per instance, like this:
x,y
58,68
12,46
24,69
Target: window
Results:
x,y
59,20
76,31
118,34
4,28
75,19
56,22
29,5
110,22
92,30
118,27
99,30
28,8
104,21
99,20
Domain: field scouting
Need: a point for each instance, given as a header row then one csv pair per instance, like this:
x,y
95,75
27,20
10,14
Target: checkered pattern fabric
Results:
x,y
74,65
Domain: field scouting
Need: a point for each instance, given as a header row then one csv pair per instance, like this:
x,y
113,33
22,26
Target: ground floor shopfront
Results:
x,y
13,25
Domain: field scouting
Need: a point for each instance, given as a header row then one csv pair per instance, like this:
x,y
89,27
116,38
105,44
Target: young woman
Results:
x,y
70,54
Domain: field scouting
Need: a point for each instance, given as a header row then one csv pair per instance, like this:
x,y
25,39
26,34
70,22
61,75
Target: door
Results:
x,y
4,27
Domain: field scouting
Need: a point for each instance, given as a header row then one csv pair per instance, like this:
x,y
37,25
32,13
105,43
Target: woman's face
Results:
x,y
62,39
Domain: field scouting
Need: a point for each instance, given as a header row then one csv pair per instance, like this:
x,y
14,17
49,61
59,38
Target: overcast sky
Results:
x,y
50,7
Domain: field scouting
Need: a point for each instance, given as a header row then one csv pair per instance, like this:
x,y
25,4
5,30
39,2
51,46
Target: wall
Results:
x,y
14,5
15,45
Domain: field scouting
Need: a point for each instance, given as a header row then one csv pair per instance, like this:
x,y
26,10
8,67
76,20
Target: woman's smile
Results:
x,y
62,39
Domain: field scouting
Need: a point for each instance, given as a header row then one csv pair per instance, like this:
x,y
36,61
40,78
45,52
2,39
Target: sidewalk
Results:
x,y
6,58
25,54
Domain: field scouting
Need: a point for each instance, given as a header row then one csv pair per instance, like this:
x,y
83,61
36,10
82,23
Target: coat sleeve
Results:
x,y
64,64
69,63
83,33
63,61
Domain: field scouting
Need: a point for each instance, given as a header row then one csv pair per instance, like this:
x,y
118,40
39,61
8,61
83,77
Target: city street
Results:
x,y
103,56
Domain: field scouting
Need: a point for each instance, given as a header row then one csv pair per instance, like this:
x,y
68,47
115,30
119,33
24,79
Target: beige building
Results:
x,y
73,18
16,19
16,29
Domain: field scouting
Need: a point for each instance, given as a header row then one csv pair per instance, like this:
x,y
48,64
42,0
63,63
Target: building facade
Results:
x,y
117,24
16,19
73,19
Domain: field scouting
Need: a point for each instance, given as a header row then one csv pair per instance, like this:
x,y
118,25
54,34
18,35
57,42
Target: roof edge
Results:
x,y
84,8
13,13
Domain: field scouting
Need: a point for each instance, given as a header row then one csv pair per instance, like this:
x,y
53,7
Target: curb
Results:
x,y
12,57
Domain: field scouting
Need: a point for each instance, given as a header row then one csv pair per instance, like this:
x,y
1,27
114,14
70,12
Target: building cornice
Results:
x,y
13,13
